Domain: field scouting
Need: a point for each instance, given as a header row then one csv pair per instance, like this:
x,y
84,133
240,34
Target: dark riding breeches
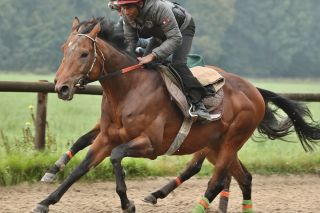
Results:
x,y
193,89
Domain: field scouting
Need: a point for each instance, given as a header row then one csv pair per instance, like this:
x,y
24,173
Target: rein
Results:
x,y
85,80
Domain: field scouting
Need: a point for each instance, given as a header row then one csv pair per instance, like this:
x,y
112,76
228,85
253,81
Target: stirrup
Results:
x,y
190,112
206,116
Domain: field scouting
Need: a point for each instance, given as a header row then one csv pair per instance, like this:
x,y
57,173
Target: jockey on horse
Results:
x,y
171,29
138,118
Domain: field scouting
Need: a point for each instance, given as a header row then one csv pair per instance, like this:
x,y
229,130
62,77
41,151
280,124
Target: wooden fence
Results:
x,y
43,88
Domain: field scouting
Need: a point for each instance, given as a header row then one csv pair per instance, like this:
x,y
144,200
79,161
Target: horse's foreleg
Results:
x,y
59,165
96,154
138,147
194,166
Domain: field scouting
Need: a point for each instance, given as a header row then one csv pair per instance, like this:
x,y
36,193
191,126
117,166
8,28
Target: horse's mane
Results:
x,y
111,31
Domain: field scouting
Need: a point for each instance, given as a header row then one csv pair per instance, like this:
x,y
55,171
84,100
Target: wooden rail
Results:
x,y
306,97
44,87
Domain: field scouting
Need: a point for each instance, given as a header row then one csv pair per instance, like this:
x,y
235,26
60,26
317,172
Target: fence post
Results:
x,y
41,120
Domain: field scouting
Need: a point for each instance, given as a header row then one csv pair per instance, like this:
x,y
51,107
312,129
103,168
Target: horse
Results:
x,y
194,166
138,118
85,140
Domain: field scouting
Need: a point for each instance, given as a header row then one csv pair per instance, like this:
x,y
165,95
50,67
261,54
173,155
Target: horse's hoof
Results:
x,y
131,208
150,199
40,209
48,178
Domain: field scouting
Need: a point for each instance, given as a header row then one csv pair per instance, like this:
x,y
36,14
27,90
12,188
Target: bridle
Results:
x,y
85,79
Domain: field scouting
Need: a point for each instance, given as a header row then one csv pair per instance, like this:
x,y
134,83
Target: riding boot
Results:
x,y
195,92
201,111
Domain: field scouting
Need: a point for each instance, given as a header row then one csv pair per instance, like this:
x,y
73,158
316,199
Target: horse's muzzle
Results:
x,y
65,92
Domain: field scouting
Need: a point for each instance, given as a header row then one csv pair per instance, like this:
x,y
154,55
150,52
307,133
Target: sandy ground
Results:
x,y
270,194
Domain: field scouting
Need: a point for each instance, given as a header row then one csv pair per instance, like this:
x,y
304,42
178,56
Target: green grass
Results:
x,y
68,120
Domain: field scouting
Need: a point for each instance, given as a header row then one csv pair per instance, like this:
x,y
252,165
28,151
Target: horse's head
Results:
x,y
82,61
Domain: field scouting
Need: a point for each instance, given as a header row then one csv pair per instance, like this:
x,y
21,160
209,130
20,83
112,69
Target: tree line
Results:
x,y
247,37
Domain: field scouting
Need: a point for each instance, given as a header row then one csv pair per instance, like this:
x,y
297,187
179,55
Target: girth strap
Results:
x,y
182,134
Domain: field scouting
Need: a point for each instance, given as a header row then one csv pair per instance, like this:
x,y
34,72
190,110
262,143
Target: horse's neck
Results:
x,y
115,60
117,87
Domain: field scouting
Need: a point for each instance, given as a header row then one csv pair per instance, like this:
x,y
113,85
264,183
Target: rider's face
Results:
x,y
131,11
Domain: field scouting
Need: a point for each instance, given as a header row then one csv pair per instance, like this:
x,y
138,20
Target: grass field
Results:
x,y
68,120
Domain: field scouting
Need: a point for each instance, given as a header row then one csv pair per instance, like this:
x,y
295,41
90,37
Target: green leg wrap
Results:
x,y
200,206
198,209
247,206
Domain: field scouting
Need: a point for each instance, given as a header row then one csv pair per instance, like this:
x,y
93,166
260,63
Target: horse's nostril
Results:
x,y
64,90
55,81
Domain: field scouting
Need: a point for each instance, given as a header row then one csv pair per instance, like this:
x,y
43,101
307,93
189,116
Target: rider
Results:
x,y
171,29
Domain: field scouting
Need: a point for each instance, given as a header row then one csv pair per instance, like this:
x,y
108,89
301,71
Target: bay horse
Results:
x,y
85,140
138,118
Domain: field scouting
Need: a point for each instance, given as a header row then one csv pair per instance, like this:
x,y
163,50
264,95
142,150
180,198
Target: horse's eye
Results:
x,y
84,55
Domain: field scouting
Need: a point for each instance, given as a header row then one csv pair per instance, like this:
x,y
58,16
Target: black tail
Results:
x,y
307,131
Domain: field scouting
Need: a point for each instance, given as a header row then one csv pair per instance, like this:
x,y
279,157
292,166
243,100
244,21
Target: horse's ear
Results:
x,y
94,32
75,24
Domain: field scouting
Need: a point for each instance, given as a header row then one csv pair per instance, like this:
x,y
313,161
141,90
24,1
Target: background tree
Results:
x,y
267,35
248,37
212,19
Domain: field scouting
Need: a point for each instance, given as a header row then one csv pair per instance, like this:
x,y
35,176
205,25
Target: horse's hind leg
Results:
x,y
84,141
194,166
226,156
244,179
224,195
98,151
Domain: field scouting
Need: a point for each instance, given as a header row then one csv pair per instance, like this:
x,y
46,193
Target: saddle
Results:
x,y
208,77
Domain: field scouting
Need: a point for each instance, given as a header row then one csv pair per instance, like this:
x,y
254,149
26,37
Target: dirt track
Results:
x,y
270,194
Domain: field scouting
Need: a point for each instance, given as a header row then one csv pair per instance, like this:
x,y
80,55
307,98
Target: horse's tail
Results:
x,y
298,114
